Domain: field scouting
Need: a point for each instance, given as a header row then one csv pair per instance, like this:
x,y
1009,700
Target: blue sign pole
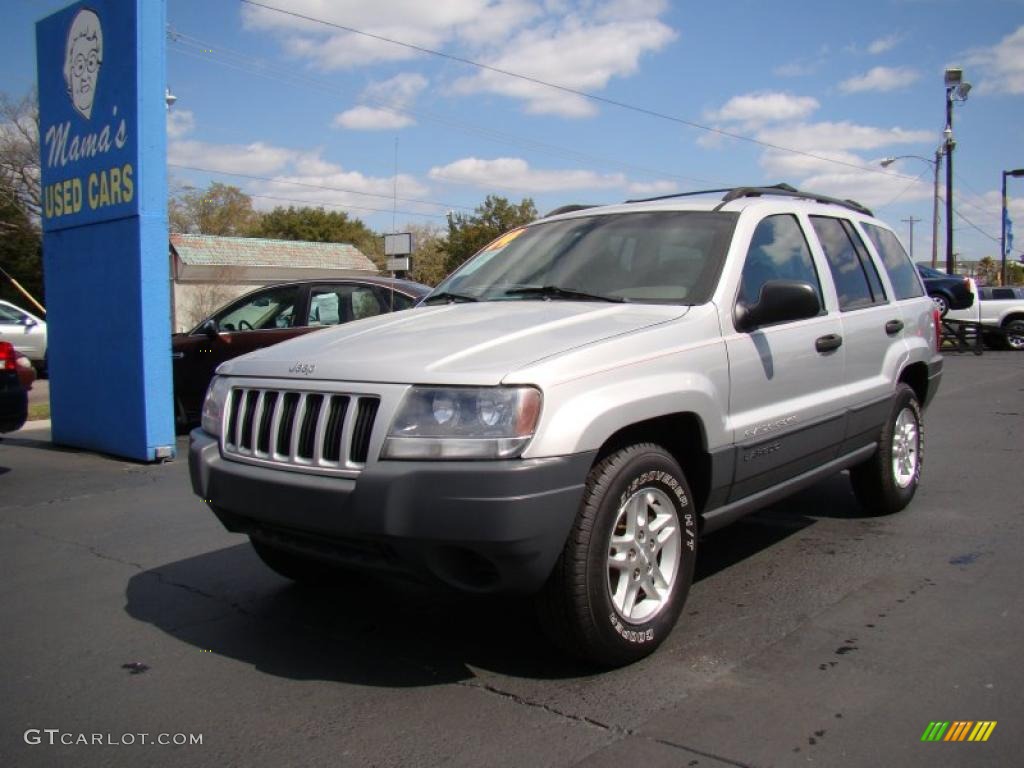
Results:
x,y
103,146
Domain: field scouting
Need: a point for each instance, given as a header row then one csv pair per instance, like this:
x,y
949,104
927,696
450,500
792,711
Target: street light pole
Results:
x,y
936,167
958,89
935,208
1019,172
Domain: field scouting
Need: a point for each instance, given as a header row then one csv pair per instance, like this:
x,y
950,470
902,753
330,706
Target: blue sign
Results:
x,y
88,130
103,160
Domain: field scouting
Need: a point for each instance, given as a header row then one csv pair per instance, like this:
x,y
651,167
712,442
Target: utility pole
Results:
x,y
911,221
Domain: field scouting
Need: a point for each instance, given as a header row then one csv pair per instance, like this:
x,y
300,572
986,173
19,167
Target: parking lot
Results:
x,y
813,635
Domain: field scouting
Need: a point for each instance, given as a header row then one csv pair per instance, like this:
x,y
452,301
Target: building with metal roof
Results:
x,y
207,271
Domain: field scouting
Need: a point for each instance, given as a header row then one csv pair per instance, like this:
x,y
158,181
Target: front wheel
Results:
x,y
886,482
622,578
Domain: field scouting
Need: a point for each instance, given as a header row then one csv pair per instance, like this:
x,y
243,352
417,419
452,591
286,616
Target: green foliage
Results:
x,y
1014,273
21,253
220,209
429,257
467,233
318,226
987,271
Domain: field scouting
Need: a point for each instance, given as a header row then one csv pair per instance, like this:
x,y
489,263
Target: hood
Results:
x,y
472,344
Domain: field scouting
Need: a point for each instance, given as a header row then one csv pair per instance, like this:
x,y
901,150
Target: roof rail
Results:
x,y
679,194
785,190
568,209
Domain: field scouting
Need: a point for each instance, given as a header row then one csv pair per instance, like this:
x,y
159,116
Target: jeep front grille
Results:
x,y
301,430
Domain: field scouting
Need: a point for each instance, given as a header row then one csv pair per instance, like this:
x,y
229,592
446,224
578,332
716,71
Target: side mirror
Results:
x,y
781,301
210,328
28,322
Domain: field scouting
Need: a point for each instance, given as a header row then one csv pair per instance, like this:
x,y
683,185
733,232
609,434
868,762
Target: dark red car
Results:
x,y
272,314
14,385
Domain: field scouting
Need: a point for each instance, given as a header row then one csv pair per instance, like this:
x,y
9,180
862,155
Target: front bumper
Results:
x,y
484,526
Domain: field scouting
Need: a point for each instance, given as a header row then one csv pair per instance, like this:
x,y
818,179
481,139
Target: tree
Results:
x,y
429,257
987,271
318,226
469,233
20,249
220,209
19,152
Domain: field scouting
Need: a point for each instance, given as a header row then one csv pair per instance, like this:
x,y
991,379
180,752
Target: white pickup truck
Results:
x,y
1001,308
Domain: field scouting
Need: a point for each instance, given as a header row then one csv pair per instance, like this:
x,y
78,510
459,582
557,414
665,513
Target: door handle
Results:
x,y
893,327
828,343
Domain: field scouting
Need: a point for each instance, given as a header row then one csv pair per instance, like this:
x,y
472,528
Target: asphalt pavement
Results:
x,y
813,635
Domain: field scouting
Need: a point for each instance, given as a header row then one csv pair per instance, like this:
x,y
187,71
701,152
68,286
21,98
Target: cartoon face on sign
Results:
x,y
82,59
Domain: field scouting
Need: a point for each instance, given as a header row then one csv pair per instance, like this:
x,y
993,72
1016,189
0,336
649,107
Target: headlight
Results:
x,y
463,423
213,405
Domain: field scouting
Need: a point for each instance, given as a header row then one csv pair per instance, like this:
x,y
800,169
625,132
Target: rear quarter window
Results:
x,y
906,283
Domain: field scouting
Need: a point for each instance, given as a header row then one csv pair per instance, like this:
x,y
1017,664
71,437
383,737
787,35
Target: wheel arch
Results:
x,y
915,376
681,434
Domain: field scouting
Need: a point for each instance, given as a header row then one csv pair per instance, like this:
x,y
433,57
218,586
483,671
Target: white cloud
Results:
x,y
755,109
884,44
427,24
881,79
256,158
392,98
652,188
831,136
180,122
579,44
1002,64
516,173
577,54
372,119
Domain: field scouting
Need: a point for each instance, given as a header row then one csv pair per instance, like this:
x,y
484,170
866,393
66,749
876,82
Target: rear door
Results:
x,y
786,380
872,328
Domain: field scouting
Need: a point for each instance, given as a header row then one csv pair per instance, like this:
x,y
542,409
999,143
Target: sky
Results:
x,y
586,101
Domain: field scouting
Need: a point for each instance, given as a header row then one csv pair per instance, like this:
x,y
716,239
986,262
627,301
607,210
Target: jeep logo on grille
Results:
x,y
306,369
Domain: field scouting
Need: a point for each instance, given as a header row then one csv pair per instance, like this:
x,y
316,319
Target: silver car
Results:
x,y
25,331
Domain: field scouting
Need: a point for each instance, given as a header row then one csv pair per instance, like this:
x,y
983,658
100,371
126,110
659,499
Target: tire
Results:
x,y
605,613
1014,334
301,569
941,303
885,483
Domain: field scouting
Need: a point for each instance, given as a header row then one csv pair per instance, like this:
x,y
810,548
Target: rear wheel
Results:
x,y
621,580
1014,330
886,482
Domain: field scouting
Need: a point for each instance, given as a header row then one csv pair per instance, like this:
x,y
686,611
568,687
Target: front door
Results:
x,y
786,401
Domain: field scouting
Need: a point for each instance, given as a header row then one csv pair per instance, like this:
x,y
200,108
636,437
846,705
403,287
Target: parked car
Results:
x,y
947,291
26,332
998,308
272,314
13,392
569,411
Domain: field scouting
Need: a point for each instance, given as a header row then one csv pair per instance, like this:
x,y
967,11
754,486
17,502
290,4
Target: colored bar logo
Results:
x,y
959,730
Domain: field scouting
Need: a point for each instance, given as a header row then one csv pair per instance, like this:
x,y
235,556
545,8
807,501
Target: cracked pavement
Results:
x,y
814,635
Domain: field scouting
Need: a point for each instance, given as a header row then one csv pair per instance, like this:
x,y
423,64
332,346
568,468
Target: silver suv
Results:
x,y
571,410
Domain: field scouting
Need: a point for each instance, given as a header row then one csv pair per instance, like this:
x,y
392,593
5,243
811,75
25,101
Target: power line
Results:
x,y
196,48
567,89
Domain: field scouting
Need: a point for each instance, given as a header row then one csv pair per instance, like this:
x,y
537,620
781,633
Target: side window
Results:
x,y
274,308
906,283
333,305
778,251
9,316
857,283
1003,293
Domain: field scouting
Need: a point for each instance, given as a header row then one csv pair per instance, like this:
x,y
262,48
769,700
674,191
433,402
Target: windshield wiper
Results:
x,y
449,297
555,292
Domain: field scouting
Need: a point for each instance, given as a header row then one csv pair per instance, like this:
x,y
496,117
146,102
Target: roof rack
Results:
x,y
783,190
787,191
568,209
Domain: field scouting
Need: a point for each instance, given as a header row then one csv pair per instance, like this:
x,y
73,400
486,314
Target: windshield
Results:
x,y
667,257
